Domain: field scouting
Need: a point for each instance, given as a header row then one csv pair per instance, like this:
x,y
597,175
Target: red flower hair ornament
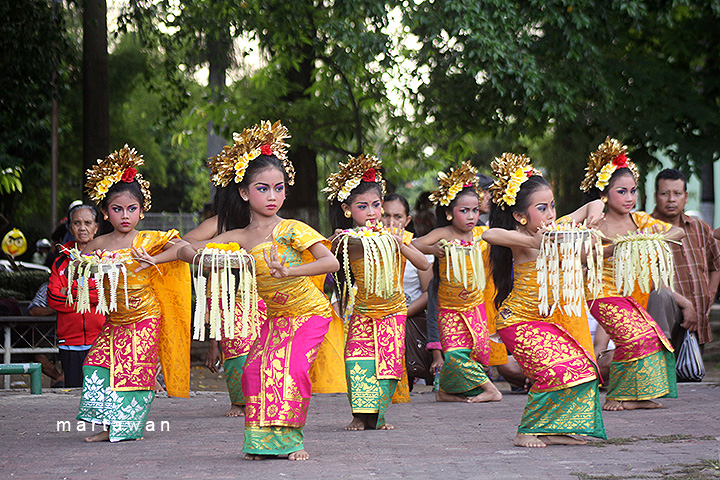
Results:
x,y
369,175
128,175
266,150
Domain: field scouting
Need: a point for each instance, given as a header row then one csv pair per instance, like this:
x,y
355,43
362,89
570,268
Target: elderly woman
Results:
x,y
76,331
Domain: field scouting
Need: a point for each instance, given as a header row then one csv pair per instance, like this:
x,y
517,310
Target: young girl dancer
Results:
x,y
275,380
119,371
376,330
232,352
564,398
461,315
643,366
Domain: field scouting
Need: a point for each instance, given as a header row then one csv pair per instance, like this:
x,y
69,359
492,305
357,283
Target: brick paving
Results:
x,y
432,440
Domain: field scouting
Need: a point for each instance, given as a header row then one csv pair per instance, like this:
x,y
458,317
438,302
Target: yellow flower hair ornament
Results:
x,y
511,171
264,139
357,169
119,166
452,183
610,155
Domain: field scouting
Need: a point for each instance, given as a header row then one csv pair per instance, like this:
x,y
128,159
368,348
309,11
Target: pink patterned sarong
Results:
x,y
465,330
276,377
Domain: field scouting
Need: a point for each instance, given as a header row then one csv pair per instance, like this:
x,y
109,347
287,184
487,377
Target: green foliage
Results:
x,y
23,285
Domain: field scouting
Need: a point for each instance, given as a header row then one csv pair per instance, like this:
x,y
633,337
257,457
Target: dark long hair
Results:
x,y
338,220
501,258
442,221
396,197
234,212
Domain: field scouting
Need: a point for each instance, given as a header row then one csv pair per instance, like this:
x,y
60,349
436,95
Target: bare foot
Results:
x,y
103,436
613,406
387,426
235,411
491,394
300,455
441,396
356,424
530,441
645,404
561,440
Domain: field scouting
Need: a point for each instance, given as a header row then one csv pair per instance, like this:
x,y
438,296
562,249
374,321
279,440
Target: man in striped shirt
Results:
x,y
697,259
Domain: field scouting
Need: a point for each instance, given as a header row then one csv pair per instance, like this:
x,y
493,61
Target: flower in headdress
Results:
x,y
603,162
511,171
264,139
450,184
369,175
357,169
119,166
128,175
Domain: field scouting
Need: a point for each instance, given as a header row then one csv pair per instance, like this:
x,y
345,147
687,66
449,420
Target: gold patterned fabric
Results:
x,y
155,325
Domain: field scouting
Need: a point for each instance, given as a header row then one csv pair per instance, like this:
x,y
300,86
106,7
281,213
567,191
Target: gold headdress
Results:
x,y
263,139
356,170
119,166
450,184
511,171
603,162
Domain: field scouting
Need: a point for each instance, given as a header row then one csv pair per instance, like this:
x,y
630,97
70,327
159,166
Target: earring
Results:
x,y
347,214
448,217
523,221
142,215
105,217
603,199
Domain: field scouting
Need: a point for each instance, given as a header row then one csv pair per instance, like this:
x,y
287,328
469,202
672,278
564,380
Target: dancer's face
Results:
x,y
365,207
265,192
622,195
541,210
394,215
465,212
124,212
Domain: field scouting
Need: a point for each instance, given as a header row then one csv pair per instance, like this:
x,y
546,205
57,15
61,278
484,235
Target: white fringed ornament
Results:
x,y
381,260
82,268
559,267
221,261
644,258
457,253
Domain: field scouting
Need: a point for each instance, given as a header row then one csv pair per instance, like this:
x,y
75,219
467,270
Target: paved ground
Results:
x,y
432,440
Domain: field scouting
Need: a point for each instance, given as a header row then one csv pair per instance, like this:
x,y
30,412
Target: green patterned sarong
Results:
x,y
366,393
569,411
123,412
461,375
272,440
649,377
233,372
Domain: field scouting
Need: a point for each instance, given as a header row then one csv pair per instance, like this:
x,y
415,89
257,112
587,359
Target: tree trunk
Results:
x,y
303,202
218,50
96,89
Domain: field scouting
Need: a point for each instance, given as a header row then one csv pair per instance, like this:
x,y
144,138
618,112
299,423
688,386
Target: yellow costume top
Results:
x,y
452,295
291,296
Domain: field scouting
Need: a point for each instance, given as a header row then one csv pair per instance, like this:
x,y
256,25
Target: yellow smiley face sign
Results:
x,y
14,243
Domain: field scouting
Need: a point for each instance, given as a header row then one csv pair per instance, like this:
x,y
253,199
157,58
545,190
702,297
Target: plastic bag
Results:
x,y
688,361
